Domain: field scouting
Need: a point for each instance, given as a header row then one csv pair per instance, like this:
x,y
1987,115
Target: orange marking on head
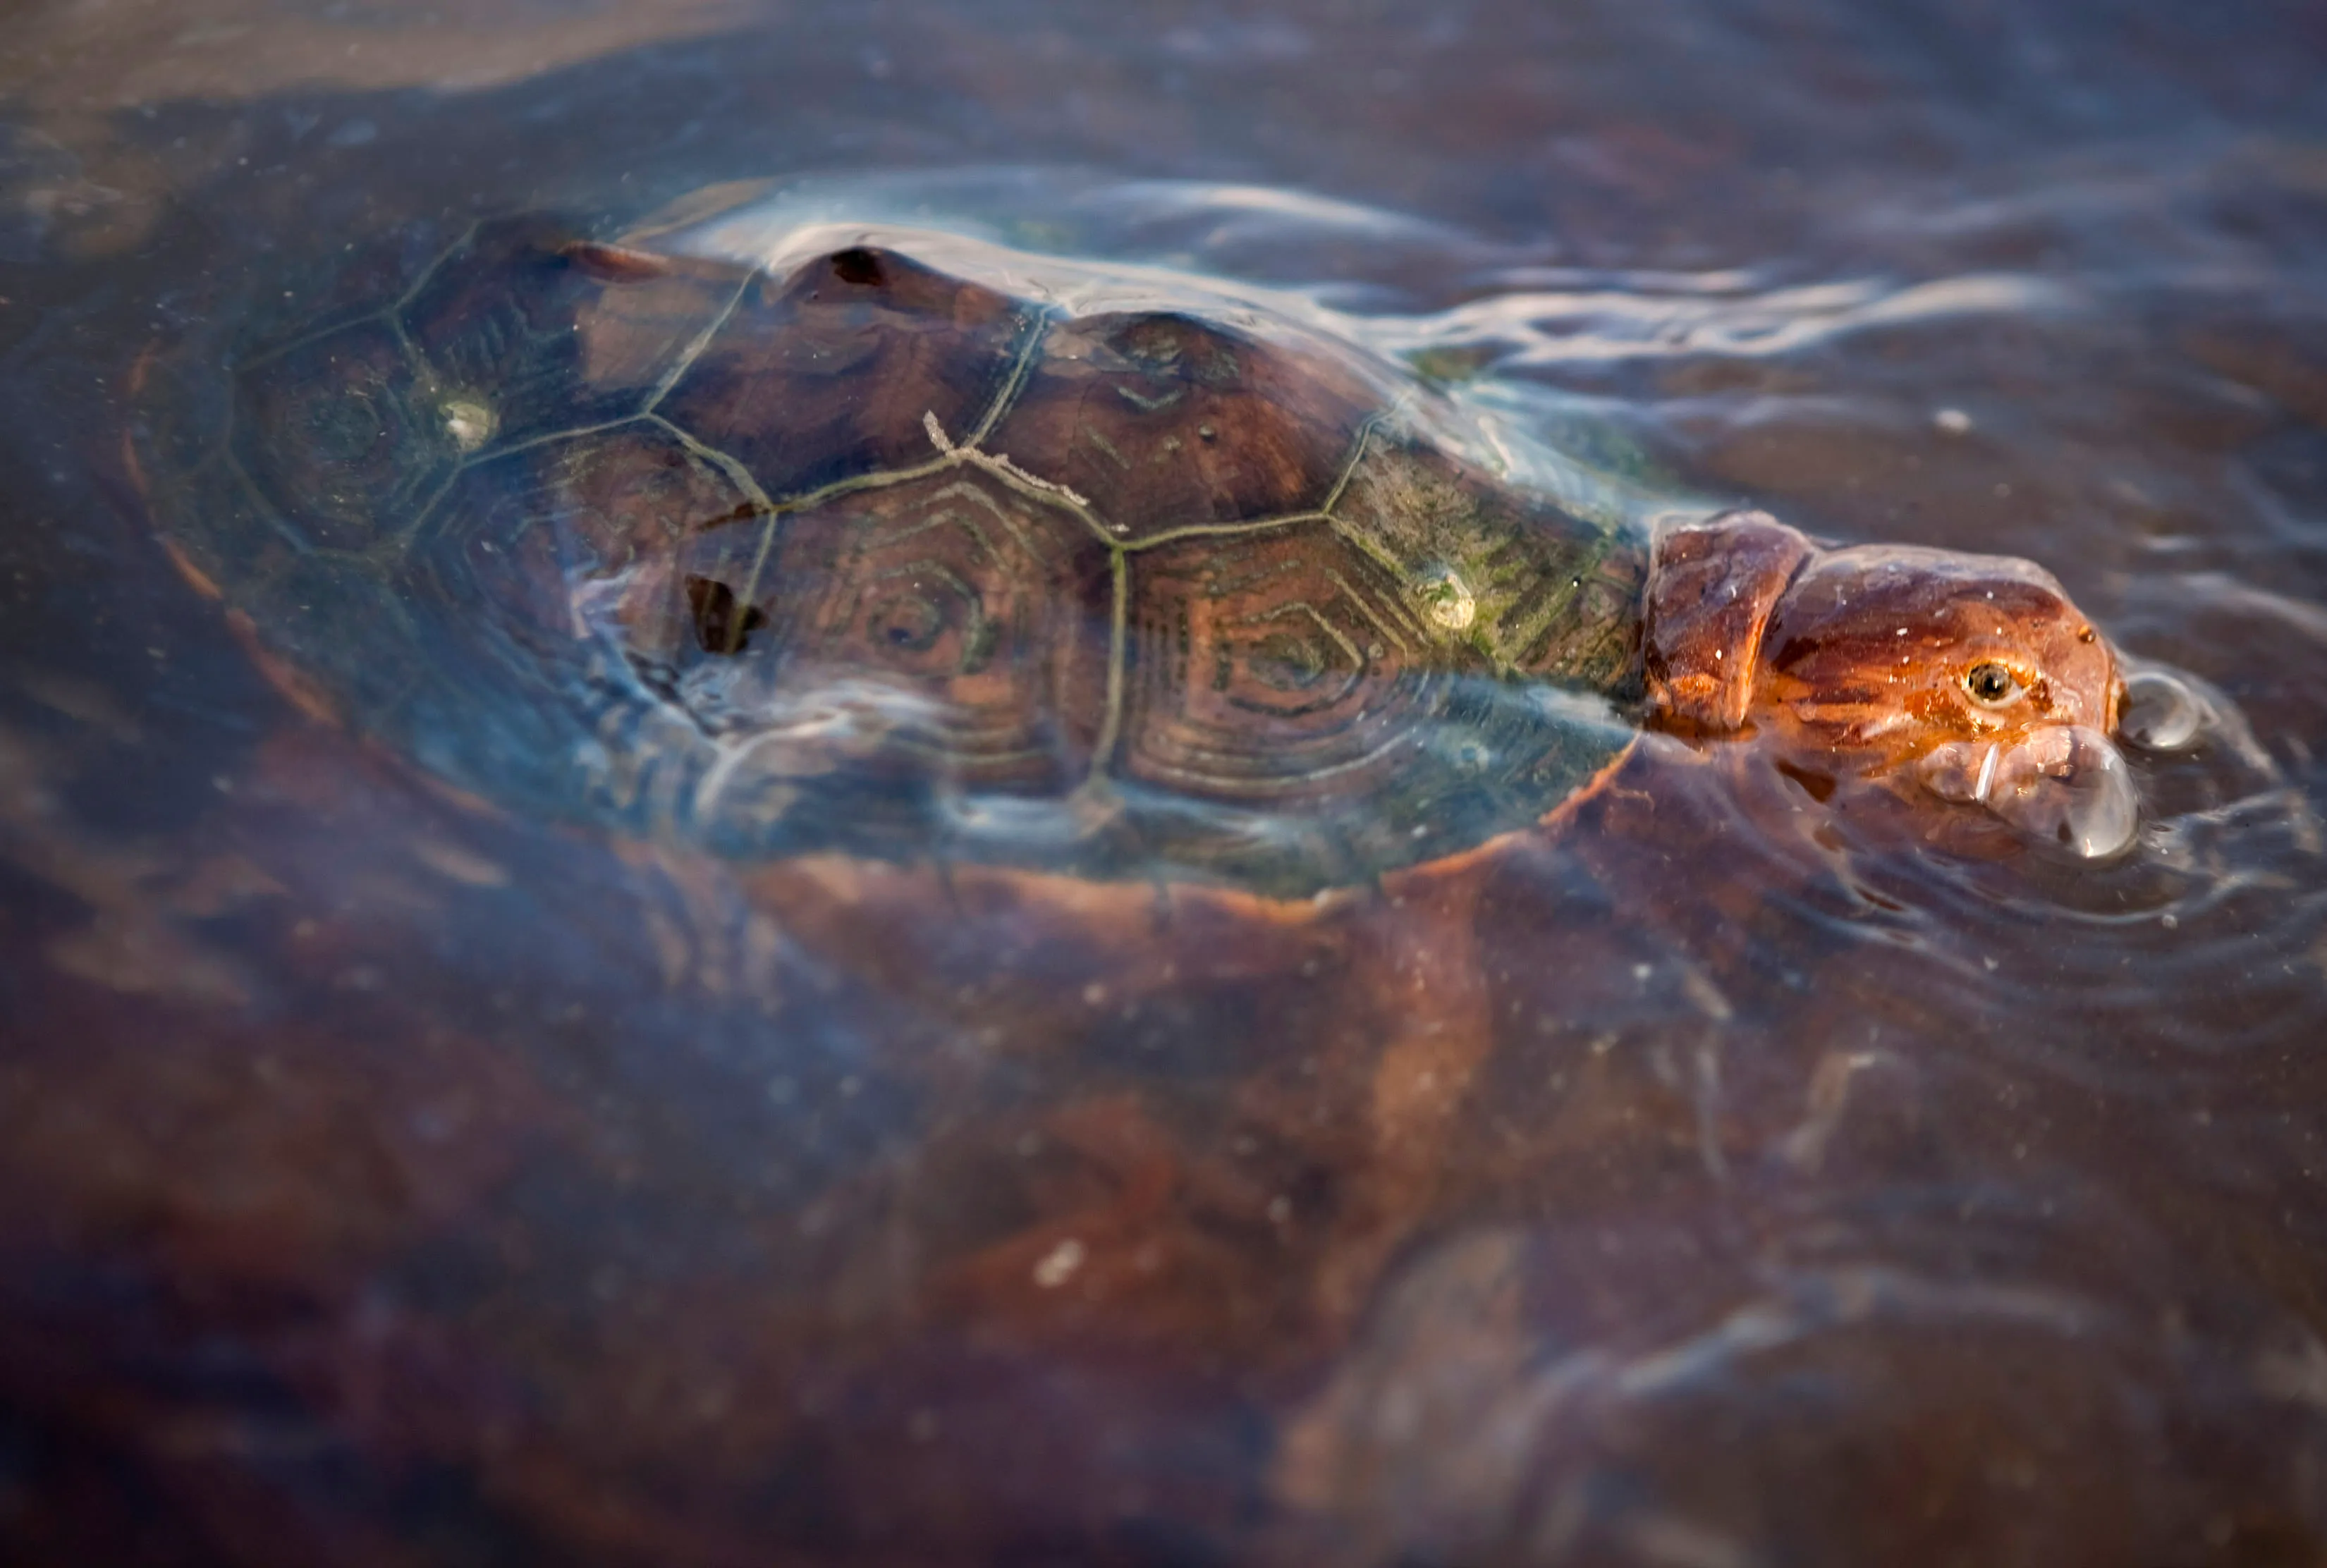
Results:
x,y
1837,677
297,689
194,576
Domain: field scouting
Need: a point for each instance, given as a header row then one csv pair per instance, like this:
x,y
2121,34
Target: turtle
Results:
x,y
1125,708
907,547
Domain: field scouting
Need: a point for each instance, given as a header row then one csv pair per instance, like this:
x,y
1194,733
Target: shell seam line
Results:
x,y
701,341
391,313
1038,330
741,477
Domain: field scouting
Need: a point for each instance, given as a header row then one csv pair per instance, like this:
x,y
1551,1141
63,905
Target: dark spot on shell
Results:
x,y
858,265
718,628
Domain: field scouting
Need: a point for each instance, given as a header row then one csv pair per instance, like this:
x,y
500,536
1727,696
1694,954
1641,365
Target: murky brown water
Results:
x,y
1718,1181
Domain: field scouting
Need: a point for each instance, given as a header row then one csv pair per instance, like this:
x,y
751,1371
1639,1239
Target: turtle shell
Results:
x,y
906,548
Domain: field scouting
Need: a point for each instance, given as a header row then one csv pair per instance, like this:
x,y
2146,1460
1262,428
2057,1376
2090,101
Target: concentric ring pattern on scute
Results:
x,y
876,558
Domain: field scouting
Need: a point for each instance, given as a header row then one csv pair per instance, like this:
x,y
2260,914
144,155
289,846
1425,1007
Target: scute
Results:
x,y
575,532
975,619
1496,570
834,372
1161,420
1302,687
505,325
339,437
1290,631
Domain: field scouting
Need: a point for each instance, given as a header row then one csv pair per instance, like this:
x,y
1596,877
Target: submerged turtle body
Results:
x,y
850,552
901,546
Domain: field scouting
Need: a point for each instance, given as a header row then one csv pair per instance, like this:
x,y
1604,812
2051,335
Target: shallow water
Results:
x,y
1722,1179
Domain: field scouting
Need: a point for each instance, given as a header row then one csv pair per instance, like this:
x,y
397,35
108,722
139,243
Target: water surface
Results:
x,y
1722,1181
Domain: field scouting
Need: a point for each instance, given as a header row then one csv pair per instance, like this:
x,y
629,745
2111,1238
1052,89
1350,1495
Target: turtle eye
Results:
x,y
1990,684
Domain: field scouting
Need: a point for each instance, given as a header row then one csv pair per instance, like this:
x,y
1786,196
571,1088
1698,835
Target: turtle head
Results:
x,y
1971,679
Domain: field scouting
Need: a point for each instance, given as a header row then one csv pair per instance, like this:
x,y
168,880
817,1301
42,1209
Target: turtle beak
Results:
x,y
2062,784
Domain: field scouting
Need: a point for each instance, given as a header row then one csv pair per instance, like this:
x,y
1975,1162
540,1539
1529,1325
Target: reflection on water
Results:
x,y
1726,1176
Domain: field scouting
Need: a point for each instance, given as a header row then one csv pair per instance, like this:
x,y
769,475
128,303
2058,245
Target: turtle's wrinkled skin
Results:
x,y
988,561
